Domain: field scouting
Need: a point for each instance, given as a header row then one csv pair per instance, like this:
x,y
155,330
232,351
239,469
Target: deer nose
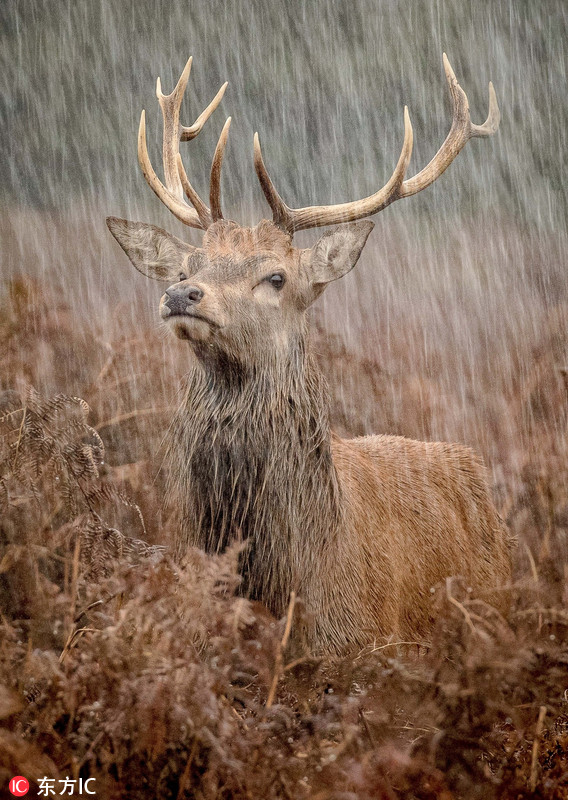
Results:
x,y
180,297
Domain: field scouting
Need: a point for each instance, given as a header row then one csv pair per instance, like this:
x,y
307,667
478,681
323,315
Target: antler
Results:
x,y
177,182
462,129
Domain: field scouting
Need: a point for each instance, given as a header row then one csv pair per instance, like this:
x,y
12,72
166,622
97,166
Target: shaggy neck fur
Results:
x,y
250,460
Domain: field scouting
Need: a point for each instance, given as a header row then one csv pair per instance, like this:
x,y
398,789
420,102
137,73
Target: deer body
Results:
x,y
361,529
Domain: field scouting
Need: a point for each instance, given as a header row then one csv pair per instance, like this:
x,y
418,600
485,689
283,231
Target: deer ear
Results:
x,y
153,251
336,253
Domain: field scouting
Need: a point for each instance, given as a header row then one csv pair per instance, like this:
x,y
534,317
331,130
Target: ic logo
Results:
x,y
19,786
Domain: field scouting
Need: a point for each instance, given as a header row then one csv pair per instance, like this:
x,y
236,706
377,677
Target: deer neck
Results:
x,y
250,455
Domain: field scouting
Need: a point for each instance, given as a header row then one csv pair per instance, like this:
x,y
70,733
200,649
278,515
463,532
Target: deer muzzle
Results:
x,y
180,300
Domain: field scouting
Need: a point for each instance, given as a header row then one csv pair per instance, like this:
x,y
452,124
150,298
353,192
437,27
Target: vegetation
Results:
x,y
158,680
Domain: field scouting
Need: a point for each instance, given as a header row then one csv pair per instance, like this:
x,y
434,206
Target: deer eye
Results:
x,y
277,280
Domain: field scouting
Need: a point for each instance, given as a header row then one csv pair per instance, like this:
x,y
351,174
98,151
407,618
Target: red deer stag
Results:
x,y
361,529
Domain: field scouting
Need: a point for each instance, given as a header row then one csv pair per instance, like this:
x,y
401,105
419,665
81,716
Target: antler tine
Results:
x,y
170,105
281,213
215,179
178,208
462,129
203,212
176,180
190,133
296,219
491,124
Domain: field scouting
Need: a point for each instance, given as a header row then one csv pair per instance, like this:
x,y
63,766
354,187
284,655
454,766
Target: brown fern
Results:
x,y
50,461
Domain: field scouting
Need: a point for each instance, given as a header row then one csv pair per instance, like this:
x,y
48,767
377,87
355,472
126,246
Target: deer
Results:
x,y
361,529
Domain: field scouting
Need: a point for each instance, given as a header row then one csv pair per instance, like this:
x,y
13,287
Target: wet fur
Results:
x,y
361,529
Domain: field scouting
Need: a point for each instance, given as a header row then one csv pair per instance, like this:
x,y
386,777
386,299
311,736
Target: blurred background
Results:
x,y
452,326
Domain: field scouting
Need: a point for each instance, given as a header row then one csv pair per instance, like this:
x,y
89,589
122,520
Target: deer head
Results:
x,y
245,290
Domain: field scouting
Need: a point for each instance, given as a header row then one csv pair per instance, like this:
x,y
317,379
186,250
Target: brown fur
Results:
x,y
361,529
229,238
